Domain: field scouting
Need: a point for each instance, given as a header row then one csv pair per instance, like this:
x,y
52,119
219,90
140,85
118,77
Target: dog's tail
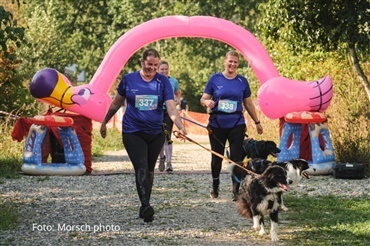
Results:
x,y
243,207
238,172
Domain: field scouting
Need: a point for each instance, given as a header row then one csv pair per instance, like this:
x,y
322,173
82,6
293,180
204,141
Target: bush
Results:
x,y
11,151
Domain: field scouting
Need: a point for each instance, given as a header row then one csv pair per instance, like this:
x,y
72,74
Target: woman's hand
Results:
x,y
209,103
183,131
259,128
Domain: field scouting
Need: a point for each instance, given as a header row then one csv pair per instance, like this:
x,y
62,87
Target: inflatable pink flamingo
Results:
x,y
276,97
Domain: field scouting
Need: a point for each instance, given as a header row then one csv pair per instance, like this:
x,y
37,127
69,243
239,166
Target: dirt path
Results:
x,y
187,157
103,209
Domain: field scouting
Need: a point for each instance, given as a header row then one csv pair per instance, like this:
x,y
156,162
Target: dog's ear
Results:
x,y
302,164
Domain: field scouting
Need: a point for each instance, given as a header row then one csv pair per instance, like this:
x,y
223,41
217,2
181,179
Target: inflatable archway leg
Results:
x,y
73,153
320,155
32,156
322,159
290,130
32,152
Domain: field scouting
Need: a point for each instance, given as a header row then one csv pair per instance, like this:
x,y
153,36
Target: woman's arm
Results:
x,y
249,106
175,116
206,101
116,104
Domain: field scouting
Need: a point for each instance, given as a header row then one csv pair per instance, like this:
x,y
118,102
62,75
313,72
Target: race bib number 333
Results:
x,y
146,102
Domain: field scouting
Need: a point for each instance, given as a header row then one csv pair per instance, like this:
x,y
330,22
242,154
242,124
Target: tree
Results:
x,y
331,24
10,32
14,97
61,33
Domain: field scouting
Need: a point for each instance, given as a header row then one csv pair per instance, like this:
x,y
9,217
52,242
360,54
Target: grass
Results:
x,y
113,141
9,216
11,151
327,220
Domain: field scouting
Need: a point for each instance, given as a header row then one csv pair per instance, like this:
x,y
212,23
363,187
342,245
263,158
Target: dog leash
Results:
x,y
210,132
194,122
178,134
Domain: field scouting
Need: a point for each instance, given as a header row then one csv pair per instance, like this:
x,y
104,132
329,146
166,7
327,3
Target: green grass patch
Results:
x,y
113,141
9,216
327,220
11,152
9,167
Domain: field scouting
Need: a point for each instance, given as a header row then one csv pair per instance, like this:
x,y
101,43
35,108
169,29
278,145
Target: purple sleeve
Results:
x,y
121,87
209,86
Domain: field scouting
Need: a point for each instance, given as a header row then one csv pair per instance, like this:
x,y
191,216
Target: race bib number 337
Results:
x,y
146,102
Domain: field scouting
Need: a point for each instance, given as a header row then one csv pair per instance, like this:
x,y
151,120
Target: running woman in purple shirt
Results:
x,y
224,96
144,93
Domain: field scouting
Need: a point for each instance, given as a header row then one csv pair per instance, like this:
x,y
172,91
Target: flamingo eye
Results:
x,y
85,93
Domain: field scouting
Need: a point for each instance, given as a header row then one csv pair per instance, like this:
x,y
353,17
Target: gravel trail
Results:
x,y
102,209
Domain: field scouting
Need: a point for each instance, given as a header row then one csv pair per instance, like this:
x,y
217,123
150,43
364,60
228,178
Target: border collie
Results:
x,y
295,170
259,197
295,167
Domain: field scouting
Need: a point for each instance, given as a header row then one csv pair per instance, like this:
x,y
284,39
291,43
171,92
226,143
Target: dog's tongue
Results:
x,y
284,187
305,174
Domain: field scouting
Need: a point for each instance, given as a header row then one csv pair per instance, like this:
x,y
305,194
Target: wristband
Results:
x,y
257,122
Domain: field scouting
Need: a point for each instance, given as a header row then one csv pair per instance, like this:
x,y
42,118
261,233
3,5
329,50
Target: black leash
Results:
x,y
178,134
210,132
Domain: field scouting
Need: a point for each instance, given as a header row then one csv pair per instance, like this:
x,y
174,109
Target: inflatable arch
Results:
x,y
277,95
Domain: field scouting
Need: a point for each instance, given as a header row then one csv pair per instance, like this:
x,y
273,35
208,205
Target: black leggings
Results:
x,y
143,150
217,139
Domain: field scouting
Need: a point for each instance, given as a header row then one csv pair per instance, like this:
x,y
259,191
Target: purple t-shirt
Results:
x,y
144,102
228,95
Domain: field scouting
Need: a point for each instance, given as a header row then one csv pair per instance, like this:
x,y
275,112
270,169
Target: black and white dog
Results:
x,y
259,197
295,167
252,148
259,148
295,170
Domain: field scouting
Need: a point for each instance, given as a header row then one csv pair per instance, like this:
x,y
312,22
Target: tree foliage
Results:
x,y
61,33
10,32
14,97
320,37
330,24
